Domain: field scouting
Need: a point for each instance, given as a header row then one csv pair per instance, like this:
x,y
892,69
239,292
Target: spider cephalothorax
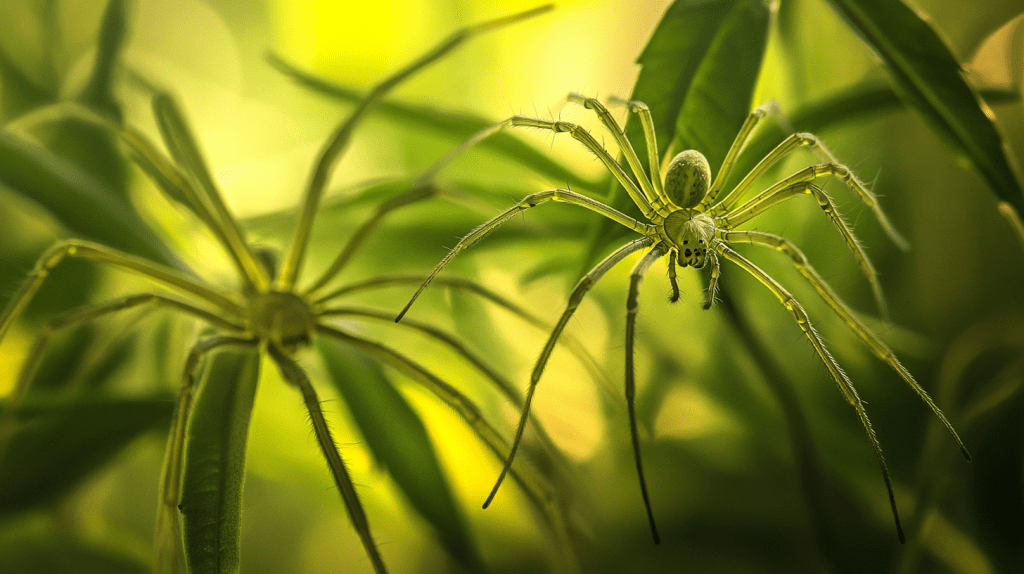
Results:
x,y
691,221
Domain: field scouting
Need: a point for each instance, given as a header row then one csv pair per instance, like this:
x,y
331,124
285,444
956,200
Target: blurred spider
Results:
x,y
268,313
693,223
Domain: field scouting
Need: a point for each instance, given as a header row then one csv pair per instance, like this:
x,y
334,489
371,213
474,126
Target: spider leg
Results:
x,y
532,200
571,343
654,193
295,376
583,136
879,348
422,188
654,163
779,193
102,254
533,485
342,135
716,271
672,278
742,136
504,385
632,304
832,166
842,381
167,550
584,285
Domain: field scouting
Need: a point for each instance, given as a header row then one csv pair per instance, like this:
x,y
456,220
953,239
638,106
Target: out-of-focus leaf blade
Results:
x,y
211,493
59,445
98,94
398,441
929,79
81,203
22,553
455,124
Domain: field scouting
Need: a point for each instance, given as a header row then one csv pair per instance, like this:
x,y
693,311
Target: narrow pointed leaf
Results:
x,y
211,493
399,442
929,80
58,445
98,94
84,205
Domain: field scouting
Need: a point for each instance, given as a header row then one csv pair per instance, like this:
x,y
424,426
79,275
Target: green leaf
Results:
x,y
455,124
211,493
399,442
29,553
58,445
929,79
84,205
98,94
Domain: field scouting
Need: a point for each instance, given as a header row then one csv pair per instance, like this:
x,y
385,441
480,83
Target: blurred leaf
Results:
x,y
929,79
84,205
18,93
26,554
61,444
211,493
455,124
98,94
399,442
183,145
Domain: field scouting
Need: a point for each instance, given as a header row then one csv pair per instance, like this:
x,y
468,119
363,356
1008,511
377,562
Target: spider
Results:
x,y
690,220
269,313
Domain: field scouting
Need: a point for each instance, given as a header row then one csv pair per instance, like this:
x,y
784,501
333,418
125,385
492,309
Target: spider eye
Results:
x,y
688,178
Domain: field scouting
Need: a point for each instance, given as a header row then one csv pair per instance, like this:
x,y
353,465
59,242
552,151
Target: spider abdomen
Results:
x,y
688,178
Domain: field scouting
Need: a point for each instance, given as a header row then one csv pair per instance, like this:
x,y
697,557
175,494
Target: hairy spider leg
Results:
x,y
101,254
655,195
783,191
879,348
833,168
167,549
647,123
584,137
342,135
532,485
742,137
532,200
295,376
581,289
674,297
712,290
840,377
504,385
571,343
632,304
423,188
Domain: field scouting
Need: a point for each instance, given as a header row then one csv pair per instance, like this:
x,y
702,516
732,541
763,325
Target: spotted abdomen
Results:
x,y
688,178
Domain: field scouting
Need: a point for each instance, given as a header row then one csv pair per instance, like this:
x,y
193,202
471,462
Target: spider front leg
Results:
x,y
674,297
712,290
581,289
877,346
742,136
838,375
632,305
532,200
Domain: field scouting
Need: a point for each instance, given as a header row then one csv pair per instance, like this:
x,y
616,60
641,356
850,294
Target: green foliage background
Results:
x,y
754,461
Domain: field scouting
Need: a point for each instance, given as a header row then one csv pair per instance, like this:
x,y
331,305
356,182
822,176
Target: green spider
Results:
x,y
269,311
693,223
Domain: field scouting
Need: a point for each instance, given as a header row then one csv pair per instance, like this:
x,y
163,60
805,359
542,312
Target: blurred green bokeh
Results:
x,y
726,485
